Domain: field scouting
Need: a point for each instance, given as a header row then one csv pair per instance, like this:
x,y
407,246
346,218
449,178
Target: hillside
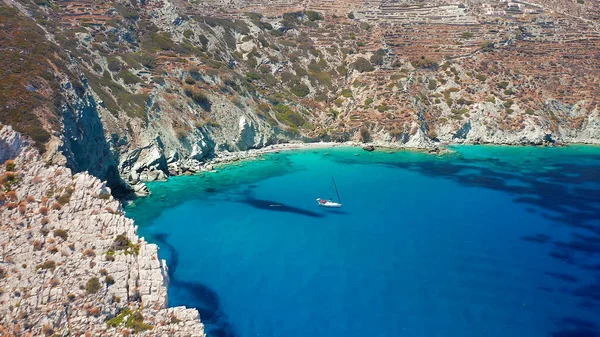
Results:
x,y
137,90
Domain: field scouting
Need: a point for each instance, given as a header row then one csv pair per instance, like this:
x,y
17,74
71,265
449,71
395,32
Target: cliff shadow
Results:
x,y
85,145
196,295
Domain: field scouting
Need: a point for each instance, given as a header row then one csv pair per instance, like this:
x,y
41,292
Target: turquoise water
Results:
x,y
490,241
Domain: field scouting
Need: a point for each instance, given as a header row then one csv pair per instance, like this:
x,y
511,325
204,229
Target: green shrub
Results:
x,y
162,41
188,33
114,64
502,85
487,45
481,78
254,17
581,2
350,15
61,233
92,285
377,58
466,35
129,78
127,13
47,265
136,322
146,60
288,116
317,66
463,101
300,71
425,62
10,166
252,76
362,65
265,69
346,93
121,242
300,90
119,319
65,197
314,16
432,84
109,280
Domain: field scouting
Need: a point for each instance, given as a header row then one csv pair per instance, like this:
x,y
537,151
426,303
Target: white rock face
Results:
x,y
10,143
63,269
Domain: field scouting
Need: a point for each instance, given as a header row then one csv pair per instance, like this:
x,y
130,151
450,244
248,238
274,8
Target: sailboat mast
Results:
x,y
336,190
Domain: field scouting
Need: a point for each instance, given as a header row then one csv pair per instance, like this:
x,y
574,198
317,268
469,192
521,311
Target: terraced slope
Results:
x,y
128,87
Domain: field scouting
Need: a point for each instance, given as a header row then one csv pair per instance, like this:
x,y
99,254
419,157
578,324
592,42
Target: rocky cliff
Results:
x,y
131,91
71,261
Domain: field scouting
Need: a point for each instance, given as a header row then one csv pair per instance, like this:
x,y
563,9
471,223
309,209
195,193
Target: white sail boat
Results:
x,y
330,203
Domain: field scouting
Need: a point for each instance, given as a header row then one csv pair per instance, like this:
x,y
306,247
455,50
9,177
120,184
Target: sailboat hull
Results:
x,y
328,203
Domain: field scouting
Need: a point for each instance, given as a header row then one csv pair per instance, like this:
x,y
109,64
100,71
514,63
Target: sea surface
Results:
x,y
488,241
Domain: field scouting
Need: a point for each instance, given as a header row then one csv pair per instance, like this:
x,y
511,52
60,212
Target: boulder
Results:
x,y
369,148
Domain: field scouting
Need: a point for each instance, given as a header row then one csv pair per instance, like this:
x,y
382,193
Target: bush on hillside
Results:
x,y
300,90
198,96
362,65
92,285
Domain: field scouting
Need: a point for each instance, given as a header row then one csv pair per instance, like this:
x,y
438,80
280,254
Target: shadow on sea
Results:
x,y
199,296
270,205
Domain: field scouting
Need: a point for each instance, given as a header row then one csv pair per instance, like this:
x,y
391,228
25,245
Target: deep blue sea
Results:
x,y
488,241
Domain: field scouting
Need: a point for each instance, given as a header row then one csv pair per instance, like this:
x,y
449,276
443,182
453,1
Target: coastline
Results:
x,y
70,250
225,157
189,166
222,158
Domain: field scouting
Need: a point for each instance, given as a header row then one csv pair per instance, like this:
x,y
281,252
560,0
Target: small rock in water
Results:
x,y
369,148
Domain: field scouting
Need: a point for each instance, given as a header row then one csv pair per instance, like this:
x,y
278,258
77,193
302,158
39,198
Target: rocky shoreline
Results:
x,y
189,166
72,263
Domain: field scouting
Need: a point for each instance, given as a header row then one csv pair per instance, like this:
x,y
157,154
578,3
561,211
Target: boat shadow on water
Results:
x,y
270,205
247,197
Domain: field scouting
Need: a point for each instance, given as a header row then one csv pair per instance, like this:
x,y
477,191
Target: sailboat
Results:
x,y
330,203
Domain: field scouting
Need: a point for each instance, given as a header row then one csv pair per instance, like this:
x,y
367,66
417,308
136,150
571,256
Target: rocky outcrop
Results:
x,y
10,143
71,261
83,142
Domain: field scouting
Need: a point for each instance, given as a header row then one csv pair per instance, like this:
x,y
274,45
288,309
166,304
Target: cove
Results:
x,y
488,241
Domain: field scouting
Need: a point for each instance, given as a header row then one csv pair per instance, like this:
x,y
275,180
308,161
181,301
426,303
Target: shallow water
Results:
x,y
490,241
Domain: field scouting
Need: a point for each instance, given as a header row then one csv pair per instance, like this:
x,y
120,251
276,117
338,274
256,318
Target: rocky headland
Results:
x,y
72,263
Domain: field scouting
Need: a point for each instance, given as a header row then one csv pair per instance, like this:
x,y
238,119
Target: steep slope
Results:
x,y
71,261
140,85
